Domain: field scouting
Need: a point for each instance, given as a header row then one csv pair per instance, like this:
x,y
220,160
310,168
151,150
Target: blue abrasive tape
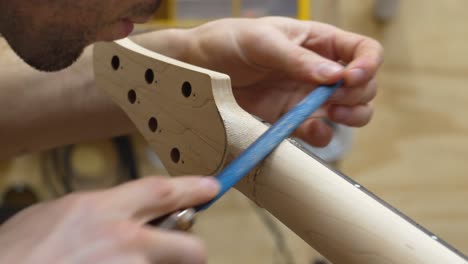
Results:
x,y
269,140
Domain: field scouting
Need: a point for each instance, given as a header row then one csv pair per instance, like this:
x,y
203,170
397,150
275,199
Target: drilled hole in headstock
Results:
x,y
175,155
149,76
320,261
115,62
186,89
153,124
132,96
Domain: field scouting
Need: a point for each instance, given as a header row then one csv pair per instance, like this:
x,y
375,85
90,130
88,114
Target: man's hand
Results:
x,y
108,226
274,62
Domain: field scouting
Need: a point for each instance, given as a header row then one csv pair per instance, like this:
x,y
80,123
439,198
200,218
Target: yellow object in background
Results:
x,y
304,9
4,166
93,160
165,11
186,13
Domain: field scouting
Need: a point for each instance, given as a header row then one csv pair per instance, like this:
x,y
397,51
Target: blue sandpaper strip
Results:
x,y
269,140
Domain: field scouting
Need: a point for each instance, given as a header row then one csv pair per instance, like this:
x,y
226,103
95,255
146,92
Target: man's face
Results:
x,y
51,34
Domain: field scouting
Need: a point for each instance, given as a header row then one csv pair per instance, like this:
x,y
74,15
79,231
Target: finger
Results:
x,y
283,55
363,56
355,95
356,116
172,247
125,259
152,197
315,132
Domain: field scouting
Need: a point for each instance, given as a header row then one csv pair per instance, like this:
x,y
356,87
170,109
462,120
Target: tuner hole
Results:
x,y
149,76
186,89
132,96
115,62
175,155
153,124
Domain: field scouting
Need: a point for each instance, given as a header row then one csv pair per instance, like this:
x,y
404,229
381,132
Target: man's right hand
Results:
x,y
108,226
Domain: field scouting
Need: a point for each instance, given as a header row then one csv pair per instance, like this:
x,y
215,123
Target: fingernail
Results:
x,y
327,70
209,184
357,75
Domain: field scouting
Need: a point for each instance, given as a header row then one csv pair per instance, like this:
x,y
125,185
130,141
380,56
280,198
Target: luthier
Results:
x,y
424,191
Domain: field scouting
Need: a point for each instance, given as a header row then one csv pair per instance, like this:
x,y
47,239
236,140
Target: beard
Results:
x,y
48,49
53,56
56,43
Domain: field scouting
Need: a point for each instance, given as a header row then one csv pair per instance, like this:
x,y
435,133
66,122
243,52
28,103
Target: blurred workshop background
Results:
x,y
413,154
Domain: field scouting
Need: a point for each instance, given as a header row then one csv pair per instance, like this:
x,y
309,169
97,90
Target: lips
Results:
x,y
125,27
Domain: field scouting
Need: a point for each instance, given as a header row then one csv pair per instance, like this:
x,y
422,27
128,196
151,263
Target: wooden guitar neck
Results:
x,y
191,119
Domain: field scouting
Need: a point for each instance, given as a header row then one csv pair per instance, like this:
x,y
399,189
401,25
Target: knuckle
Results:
x,y
250,36
161,188
162,191
167,204
378,48
366,118
355,96
300,60
302,57
375,43
370,92
362,94
125,233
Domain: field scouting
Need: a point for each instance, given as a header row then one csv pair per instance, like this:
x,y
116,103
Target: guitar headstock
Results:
x,y
170,102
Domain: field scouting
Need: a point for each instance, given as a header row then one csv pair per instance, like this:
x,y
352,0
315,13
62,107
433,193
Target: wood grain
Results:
x,y
190,125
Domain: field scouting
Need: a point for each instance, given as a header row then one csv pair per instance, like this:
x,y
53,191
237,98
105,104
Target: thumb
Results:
x,y
152,197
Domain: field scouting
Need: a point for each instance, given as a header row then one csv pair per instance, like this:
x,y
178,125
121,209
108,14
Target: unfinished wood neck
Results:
x,y
199,127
